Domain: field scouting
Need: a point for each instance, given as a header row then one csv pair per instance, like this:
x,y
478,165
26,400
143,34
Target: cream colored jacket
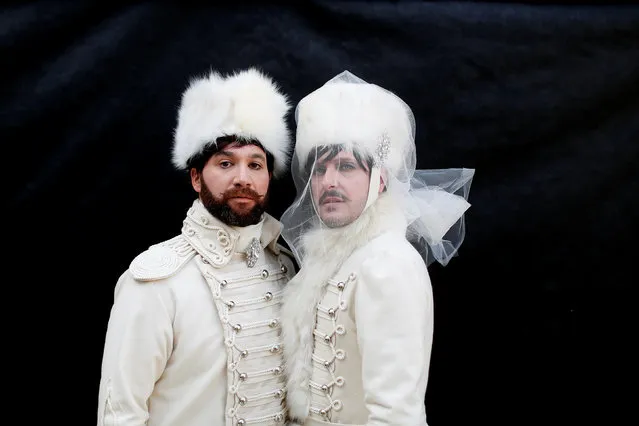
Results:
x,y
358,326
194,333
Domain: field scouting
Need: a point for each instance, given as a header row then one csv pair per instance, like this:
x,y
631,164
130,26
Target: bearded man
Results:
x,y
193,336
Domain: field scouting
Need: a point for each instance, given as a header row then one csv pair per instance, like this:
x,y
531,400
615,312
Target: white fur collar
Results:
x,y
326,250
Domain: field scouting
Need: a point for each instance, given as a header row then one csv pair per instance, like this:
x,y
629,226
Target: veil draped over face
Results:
x,y
378,127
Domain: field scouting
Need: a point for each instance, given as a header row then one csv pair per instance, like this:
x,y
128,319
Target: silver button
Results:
x,y
230,303
268,296
278,418
327,338
223,283
241,422
279,393
275,349
243,376
327,364
323,412
284,269
331,312
237,327
325,388
244,353
274,323
277,370
242,400
264,274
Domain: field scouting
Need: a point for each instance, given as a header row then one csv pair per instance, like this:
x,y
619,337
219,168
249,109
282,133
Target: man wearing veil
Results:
x,y
357,319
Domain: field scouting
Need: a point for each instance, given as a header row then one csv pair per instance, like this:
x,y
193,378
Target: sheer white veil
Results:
x,y
375,123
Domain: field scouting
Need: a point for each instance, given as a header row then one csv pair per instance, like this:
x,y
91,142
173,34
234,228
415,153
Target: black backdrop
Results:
x,y
534,319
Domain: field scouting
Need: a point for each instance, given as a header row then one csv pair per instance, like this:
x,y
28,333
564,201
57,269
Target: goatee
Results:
x,y
220,208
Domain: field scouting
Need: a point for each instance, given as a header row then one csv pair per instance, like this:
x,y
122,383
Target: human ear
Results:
x,y
196,181
382,185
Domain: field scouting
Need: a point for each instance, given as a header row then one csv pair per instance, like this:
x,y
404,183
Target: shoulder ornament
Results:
x,y
162,260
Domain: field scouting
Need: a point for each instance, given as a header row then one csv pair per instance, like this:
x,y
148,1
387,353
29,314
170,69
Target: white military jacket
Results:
x,y
358,324
194,333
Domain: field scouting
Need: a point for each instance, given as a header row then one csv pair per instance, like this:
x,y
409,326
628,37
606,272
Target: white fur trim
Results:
x,y
356,115
327,250
246,104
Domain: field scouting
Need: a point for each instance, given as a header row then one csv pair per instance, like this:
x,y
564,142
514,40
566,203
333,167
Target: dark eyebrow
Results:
x,y
259,156
231,154
340,161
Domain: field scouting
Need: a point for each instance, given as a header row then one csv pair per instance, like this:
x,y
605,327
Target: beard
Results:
x,y
220,208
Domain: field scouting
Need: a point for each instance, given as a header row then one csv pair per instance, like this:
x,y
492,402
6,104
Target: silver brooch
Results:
x,y
253,252
382,151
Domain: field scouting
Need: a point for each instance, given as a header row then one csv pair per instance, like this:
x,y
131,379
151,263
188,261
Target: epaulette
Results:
x,y
162,260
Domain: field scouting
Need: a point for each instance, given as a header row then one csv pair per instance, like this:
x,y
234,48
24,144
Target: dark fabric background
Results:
x,y
534,321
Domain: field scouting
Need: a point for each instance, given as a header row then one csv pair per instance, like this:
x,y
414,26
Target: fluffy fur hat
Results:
x,y
357,115
246,104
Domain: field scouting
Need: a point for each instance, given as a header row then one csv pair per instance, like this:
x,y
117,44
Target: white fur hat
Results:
x,y
357,115
246,104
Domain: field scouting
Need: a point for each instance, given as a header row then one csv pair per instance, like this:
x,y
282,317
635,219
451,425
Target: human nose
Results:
x,y
329,179
242,177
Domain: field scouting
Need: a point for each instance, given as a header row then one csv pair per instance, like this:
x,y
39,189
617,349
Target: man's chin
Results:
x,y
242,213
334,220
236,216
251,217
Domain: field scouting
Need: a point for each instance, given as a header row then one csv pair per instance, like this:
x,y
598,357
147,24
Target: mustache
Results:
x,y
333,193
241,193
